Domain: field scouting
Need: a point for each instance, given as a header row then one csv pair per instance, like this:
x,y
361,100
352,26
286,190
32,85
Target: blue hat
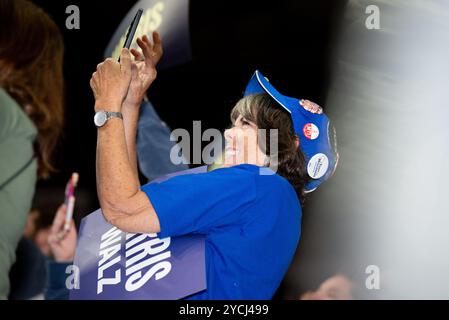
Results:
x,y
312,127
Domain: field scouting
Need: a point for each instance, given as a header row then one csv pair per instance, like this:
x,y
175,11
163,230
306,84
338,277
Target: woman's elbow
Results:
x,y
135,215
109,214
114,205
138,223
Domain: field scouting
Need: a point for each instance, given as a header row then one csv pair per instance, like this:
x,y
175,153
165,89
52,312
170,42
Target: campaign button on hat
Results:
x,y
311,106
311,131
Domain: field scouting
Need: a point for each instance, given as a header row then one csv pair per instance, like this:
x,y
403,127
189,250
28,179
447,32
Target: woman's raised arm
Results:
x,y
123,203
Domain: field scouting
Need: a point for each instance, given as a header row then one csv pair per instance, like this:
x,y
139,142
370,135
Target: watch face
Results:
x,y
100,118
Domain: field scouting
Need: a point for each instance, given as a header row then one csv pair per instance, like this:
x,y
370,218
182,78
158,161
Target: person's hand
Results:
x,y
62,242
143,68
338,287
111,81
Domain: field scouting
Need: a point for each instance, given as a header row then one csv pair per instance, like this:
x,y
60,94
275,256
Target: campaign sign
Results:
x,y
170,18
116,265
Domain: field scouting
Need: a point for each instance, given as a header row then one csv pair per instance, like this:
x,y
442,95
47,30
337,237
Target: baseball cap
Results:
x,y
317,138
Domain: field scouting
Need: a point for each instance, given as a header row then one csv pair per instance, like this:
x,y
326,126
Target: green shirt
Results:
x,y
17,133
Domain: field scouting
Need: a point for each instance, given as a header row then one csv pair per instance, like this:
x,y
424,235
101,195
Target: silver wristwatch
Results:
x,y
101,117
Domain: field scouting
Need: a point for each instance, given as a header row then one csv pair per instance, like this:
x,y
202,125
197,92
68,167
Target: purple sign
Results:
x,y
117,265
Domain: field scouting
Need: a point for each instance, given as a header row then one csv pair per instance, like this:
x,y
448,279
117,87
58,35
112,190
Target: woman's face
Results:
x,y
242,144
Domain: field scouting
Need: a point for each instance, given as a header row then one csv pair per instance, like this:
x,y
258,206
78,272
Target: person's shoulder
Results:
x,y
258,173
270,182
8,105
264,174
233,173
13,120
241,169
265,179
239,177
218,177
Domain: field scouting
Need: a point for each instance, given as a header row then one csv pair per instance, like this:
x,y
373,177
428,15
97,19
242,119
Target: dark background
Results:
x,y
290,42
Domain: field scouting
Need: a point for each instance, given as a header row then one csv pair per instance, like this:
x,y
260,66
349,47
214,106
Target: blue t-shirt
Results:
x,y
252,224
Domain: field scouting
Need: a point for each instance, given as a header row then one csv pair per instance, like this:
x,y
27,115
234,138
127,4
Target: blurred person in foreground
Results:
x,y
38,227
62,245
31,116
28,274
337,287
43,255
250,214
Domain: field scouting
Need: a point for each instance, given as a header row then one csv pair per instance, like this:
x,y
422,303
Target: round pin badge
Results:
x,y
311,106
317,166
311,131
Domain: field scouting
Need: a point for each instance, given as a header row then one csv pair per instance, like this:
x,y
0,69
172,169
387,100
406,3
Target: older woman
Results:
x,y
251,215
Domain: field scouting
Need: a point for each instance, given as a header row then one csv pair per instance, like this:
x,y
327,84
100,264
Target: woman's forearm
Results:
x,y
116,181
123,204
130,119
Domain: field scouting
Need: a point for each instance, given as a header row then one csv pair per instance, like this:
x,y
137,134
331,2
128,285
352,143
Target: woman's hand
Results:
x,y
111,81
62,242
143,69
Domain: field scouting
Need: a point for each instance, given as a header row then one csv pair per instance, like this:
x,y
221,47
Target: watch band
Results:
x,y
102,116
110,114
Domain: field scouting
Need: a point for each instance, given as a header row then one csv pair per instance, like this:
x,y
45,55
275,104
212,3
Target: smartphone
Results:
x,y
70,199
132,30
